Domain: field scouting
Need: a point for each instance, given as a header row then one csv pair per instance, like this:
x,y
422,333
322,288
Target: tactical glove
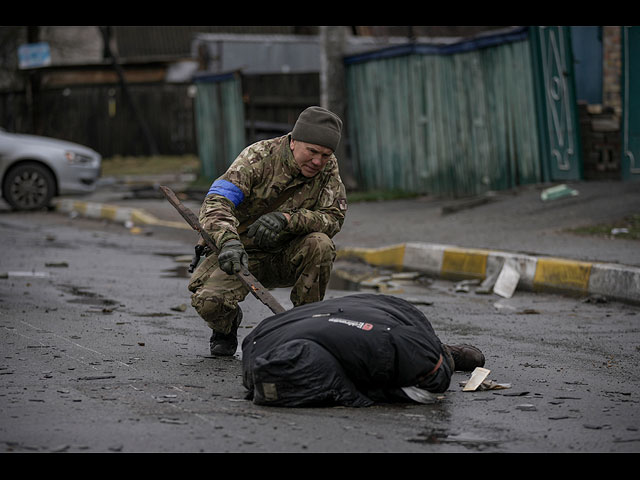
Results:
x,y
266,229
232,257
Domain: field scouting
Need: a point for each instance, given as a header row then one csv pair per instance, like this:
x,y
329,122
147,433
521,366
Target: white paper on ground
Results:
x,y
477,377
507,281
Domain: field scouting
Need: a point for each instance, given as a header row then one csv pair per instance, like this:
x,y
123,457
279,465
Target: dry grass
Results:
x,y
161,164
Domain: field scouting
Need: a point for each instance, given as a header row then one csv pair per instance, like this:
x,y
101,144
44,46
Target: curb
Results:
x,y
619,282
541,273
125,215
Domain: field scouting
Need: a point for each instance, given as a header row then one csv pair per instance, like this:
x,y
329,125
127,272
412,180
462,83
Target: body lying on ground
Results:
x,y
354,351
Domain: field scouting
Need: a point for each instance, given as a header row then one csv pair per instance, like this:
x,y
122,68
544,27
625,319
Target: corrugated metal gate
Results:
x,y
631,103
219,122
556,103
459,119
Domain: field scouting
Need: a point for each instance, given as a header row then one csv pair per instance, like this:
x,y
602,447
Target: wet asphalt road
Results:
x,y
101,352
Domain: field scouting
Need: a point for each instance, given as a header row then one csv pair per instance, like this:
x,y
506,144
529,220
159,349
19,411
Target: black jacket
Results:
x,y
353,351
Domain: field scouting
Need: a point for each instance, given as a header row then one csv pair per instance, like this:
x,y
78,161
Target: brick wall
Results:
x,y
600,133
612,68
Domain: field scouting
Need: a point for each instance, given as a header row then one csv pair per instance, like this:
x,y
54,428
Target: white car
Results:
x,y
34,169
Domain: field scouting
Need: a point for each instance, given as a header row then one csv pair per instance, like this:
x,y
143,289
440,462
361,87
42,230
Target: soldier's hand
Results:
x,y
232,257
266,229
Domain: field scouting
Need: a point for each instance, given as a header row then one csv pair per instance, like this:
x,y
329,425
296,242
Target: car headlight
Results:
x,y
78,159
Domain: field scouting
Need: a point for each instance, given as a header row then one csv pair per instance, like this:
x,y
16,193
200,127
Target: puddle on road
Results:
x,y
87,297
181,271
441,436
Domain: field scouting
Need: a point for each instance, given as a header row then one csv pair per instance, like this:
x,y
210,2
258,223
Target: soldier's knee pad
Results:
x,y
208,306
320,246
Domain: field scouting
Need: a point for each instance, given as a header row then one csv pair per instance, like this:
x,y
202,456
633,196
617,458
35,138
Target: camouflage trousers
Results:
x,y
304,263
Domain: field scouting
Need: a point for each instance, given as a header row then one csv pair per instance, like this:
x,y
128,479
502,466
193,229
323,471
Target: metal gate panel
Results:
x,y
555,89
219,121
631,103
459,122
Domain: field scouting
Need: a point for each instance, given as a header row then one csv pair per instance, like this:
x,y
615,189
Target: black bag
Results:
x,y
353,351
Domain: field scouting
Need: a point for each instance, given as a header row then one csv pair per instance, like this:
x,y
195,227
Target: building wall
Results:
x,y
612,68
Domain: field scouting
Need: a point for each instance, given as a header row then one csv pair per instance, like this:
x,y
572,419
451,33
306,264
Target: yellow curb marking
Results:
x,y
461,263
109,212
567,274
389,256
80,207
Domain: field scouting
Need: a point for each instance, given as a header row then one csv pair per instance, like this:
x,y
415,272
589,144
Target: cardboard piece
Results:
x,y
477,377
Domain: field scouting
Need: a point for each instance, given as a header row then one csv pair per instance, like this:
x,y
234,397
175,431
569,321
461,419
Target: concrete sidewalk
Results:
x,y
505,240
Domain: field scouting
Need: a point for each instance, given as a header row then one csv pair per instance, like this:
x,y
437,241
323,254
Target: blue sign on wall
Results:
x,y
31,55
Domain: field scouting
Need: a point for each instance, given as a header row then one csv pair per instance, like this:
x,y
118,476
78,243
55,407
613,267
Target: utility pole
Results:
x,y
333,91
32,86
108,53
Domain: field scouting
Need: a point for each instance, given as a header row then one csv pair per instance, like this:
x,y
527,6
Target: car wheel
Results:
x,y
28,186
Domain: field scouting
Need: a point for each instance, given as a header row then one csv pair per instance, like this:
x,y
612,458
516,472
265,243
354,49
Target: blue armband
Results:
x,y
228,190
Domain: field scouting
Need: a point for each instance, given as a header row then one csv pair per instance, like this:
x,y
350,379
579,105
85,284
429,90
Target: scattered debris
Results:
x,y
180,308
515,394
353,275
500,305
502,280
488,385
527,407
173,421
595,427
57,264
596,299
405,276
97,377
529,311
559,191
467,203
618,231
24,274
464,285
100,310
487,284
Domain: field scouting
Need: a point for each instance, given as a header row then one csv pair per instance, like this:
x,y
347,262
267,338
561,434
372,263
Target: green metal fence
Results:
x,y
219,122
631,103
456,120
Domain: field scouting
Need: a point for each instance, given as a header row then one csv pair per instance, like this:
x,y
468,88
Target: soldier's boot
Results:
x,y
464,357
225,345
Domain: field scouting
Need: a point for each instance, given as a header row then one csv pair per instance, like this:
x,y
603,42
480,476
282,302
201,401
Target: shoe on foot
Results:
x,y
225,345
465,357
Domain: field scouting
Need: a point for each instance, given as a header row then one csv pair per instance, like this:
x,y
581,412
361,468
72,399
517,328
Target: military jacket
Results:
x,y
255,180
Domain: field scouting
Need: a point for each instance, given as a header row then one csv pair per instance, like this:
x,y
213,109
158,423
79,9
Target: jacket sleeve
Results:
x,y
217,214
328,214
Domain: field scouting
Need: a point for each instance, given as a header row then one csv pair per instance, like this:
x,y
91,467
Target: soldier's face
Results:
x,y
310,158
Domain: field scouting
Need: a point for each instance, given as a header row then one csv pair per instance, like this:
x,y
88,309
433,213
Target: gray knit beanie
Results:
x,y
318,126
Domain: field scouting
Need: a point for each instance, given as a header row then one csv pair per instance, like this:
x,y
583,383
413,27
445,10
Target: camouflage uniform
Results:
x,y
305,253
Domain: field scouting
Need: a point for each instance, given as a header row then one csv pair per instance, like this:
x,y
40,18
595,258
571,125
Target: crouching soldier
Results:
x,y
274,211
